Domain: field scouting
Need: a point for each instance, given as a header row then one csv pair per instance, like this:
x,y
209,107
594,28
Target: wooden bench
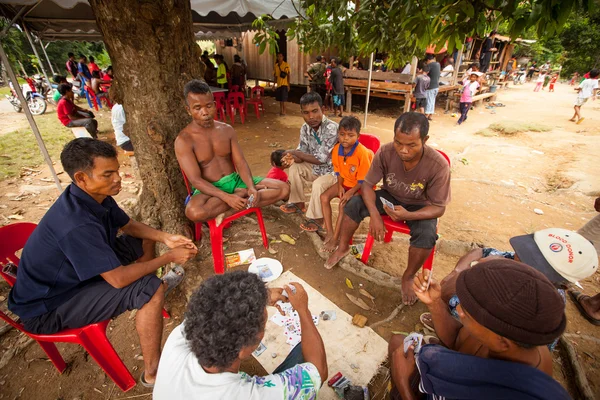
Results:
x,y
388,85
482,96
80,132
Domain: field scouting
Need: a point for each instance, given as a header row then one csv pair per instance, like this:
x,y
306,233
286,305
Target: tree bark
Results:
x,y
153,51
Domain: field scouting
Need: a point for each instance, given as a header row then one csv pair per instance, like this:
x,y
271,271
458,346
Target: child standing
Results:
x,y
421,86
277,169
466,99
552,82
351,162
540,81
586,89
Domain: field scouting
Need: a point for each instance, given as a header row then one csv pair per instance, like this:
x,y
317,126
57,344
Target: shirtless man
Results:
x,y
212,159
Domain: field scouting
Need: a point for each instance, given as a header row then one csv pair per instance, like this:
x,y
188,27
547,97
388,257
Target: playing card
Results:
x,y
279,319
264,271
315,319
415,339
250,201
259,350
386,203
429,280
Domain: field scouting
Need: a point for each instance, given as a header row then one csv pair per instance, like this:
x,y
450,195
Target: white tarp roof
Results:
x,y
74,19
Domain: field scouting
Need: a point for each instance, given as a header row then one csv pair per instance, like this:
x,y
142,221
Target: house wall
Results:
x,y
260,66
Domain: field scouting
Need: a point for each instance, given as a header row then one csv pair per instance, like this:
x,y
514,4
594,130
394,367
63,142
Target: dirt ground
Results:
x,y
495,189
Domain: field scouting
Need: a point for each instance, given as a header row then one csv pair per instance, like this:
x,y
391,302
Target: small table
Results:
x,y
218,89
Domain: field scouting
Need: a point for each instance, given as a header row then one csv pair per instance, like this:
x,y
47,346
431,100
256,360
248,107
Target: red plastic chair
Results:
x,y
234,88
236,101
216,232
396,226
91,337
221,103
370,142
256,100
96,101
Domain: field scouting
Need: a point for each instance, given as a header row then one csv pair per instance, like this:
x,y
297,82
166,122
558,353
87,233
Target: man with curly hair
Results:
x,y
223,325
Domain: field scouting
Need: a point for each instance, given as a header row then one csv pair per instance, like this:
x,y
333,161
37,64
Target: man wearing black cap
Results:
x,y
508,313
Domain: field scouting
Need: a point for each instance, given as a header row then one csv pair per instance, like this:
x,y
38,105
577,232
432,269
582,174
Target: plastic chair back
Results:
x,y
258,92
370,142
446,157
237,99
13,238
234,88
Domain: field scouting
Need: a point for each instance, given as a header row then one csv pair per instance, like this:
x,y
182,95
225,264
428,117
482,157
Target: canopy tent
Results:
x,y
53,20
74,19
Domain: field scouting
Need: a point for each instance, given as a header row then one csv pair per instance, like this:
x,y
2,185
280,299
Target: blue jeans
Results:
x,y
293,359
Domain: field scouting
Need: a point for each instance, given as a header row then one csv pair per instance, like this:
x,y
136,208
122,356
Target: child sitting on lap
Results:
x,y
351,162
277,169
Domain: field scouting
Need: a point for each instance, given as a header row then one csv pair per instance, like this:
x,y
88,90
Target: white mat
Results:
x,y
345,344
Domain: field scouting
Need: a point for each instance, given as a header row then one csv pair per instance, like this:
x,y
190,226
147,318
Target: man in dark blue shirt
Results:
x,y
87,261
83,69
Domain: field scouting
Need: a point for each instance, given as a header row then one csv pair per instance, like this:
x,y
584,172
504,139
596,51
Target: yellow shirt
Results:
x,y
222,71
285,68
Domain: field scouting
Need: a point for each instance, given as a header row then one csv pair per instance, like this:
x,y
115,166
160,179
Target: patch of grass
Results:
x,y
6,90
557,181
512,128
487,132
19,149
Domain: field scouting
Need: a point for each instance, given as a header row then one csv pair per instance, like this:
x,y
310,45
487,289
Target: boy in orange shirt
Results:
x,y
351,162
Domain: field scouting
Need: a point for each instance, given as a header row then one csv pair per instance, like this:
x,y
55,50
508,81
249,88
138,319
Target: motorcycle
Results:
x,y
519,77
35,101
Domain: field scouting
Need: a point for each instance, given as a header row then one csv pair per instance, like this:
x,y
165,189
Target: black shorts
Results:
x,y
96,300
421,103
281,94
423,233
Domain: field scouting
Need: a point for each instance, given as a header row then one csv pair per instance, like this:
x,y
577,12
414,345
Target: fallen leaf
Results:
x,y
15,216
349,283
272,250
285,238
275,241
359,302
366,294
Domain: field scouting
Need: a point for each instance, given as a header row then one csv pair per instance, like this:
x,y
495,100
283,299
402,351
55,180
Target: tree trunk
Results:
x,y
153,52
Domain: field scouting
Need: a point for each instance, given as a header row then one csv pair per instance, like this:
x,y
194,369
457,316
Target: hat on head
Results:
x,y
562,255
513,300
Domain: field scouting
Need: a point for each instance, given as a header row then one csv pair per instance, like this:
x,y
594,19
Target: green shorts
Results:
x,y
230,182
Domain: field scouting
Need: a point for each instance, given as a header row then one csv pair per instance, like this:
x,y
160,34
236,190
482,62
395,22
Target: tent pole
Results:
x,y
36,53
457,64
34,127
368,89
47,58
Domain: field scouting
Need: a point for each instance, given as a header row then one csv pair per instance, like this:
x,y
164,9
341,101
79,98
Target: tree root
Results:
x,y
393,315
5,329
580,379
584,337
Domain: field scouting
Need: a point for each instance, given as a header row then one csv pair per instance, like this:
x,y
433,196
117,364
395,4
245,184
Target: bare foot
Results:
x,y
329,245
408,294
336,258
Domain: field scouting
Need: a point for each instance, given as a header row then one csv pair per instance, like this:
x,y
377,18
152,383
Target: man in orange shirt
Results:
x,y
351,162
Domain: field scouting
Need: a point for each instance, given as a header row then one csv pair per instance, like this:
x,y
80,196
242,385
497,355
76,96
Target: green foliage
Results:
x,y
266,37
581,41
402,28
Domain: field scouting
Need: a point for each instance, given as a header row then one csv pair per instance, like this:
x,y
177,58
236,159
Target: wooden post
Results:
x,y
413,73
348,100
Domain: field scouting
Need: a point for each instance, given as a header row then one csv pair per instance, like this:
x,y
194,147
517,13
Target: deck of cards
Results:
x,y
291,323
414,339
387,203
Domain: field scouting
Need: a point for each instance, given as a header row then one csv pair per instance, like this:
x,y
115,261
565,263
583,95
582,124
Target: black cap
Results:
x,y
529,253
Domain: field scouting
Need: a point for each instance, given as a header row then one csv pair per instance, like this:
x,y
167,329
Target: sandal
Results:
x,y
291,208
426,321
144,383
311,225
173,278
577,297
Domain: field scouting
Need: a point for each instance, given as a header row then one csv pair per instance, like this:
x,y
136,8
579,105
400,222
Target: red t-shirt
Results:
x,y
63,109
278,174
93,67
